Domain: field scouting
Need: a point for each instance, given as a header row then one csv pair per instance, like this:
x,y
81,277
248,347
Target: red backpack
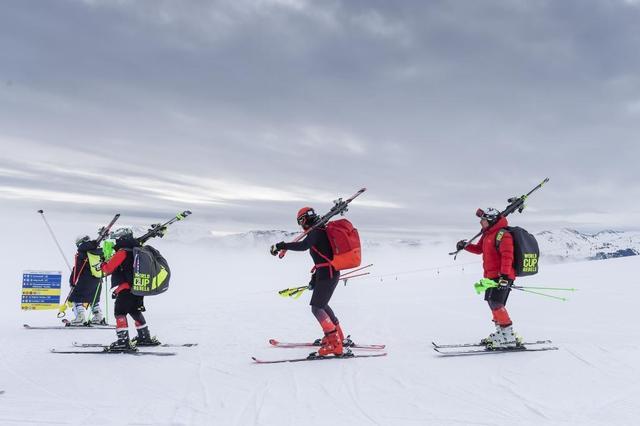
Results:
x,y
345,243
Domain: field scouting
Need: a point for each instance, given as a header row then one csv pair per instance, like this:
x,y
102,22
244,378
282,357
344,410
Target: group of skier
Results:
x,y
496,245
86,279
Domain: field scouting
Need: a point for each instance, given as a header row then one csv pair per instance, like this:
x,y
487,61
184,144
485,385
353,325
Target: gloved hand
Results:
x,y
159,229
504,280
460,245
276,248
312,282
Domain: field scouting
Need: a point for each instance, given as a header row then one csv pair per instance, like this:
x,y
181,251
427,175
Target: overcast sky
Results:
x,y
245,110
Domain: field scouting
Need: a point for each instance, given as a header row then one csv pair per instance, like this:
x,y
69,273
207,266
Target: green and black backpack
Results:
x,y
525,250
151,272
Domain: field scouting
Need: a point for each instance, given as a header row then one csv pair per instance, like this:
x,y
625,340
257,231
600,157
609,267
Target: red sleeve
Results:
x,y
506,255
475,248
114,262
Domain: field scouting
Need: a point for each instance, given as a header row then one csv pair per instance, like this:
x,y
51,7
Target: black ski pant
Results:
x,y
129,303
322,292
497,297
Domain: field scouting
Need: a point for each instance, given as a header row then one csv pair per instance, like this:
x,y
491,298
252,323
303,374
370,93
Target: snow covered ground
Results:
x,y
227,301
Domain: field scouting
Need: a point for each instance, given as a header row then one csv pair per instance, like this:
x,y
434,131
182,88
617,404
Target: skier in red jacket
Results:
x,y
496,247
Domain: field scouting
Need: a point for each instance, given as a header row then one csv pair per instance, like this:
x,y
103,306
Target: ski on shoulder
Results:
x,y
103,352
348,343
471,345
163,345
70,327
314,357
486,351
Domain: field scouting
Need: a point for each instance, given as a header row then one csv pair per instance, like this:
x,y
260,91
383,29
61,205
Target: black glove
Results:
x,y
158,229
277,247
312,282
504,281
460,245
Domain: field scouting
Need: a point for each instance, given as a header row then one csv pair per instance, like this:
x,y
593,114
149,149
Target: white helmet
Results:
x,y
490,214
121,233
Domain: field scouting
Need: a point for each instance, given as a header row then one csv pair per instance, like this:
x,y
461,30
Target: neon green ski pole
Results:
x,y
544,288
564,299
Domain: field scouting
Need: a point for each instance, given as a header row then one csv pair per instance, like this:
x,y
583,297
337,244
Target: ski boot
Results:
x,y
81,315
333,345
504,339
123,344
345,342
97,318
144,338
493,336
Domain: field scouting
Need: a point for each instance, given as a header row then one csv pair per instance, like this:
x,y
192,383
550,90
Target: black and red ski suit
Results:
x,y
324,278
497,262
120,267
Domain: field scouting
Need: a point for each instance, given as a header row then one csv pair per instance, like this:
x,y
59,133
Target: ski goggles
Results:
x,y
491,215
303,219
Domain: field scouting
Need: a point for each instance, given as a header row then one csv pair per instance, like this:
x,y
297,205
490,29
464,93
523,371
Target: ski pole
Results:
x,y
54,239
515,203
357,269
294,292
345,279
544,288
564,299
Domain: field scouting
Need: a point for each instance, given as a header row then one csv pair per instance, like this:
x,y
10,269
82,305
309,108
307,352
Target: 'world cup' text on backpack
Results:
x,y
151,272
345,243
525,250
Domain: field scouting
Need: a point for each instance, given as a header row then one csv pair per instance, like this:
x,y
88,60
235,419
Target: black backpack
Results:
x,y
525,250
151,272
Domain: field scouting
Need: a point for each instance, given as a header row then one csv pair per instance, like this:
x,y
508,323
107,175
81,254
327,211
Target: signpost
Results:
x,y
41,290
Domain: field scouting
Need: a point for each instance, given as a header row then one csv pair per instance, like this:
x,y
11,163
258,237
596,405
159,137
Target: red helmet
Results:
x,y
306,216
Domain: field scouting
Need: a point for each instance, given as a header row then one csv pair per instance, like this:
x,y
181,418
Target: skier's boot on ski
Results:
x,y
345,342
492,336
123,344
505,338
97,318
144,338
81,315
332,345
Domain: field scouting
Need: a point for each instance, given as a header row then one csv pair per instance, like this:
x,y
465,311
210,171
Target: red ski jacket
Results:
x,y
495,262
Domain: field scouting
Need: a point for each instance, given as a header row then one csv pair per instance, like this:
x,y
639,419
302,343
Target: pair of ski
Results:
x,y
104,349
69,326
348,353
466,349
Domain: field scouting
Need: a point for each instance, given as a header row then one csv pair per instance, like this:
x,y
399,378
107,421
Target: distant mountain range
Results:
x,y
559,245
569,244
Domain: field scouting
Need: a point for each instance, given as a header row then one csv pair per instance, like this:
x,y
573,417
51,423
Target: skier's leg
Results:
x,y
504,335
120,310
322,292
335,321
144,335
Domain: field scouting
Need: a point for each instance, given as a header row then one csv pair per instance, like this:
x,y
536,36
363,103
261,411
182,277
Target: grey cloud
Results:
x,y
437,106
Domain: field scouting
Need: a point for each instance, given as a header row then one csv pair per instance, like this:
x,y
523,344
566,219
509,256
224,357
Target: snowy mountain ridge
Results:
x,y
560,245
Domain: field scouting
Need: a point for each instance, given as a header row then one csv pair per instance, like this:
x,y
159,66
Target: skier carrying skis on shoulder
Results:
x,y
87,285
496,247
120,267
324,279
